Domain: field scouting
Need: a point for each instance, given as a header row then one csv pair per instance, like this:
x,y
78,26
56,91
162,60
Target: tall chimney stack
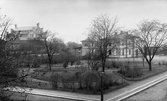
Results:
x,y
15,25
37,24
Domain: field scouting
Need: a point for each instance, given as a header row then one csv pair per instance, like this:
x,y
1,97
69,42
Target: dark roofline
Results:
x,y
79,47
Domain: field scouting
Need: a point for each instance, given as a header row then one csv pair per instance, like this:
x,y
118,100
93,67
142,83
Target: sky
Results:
x,y
70,19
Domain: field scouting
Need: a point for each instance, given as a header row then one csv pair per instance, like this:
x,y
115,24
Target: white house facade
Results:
x,y
124,46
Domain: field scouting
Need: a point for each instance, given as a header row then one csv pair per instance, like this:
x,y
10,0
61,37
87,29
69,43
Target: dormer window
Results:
x,y
86,44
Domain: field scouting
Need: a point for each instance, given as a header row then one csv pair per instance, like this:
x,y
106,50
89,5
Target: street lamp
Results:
x,y
101,76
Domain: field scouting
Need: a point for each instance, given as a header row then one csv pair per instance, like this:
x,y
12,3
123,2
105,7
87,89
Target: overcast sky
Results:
x,y
71,18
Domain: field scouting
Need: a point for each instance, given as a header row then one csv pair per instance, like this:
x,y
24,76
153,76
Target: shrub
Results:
x,y
90,79
67,80
9,73
78,77
108,64
137,72
106,82
82,68
35,65
78,62
131,72
65,64
55,79
163,63
113,64
86,80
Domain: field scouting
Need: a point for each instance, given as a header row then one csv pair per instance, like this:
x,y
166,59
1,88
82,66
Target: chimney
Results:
x,y
37,24
15,25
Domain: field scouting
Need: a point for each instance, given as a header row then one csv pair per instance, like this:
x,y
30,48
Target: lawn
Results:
x,y
68,83
72,84
156,69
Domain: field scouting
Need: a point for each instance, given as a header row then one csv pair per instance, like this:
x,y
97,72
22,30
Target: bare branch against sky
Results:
x,y
71,18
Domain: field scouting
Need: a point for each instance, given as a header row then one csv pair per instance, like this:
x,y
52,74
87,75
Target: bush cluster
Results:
x,y
113,64
88,80
130,71
162,63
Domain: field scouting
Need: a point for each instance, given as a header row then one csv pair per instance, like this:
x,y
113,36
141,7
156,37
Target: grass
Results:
x,y
34,84
46,76
156,69
42,75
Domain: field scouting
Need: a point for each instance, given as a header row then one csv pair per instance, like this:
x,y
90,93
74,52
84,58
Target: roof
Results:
x,y
87,40
79,47
125,35
24,28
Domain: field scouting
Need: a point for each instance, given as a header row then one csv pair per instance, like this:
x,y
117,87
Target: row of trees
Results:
x,y
8,67
47,43
11,57
148,38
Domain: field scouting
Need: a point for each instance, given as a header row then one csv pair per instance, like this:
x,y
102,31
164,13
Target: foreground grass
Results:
x,y
156,69
43,80
46,77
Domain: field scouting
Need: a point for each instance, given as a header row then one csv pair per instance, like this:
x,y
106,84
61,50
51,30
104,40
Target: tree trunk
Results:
x,y
103,68
50,64
103,65
143,61
150,66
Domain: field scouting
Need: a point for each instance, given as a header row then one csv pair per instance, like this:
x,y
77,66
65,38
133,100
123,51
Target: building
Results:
x,y
124,46
22,34
87,44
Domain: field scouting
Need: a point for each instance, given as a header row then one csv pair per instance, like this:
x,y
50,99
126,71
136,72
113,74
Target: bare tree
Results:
x,y
9,73
51,44
151,36
72,45
70,51
93,58
101,33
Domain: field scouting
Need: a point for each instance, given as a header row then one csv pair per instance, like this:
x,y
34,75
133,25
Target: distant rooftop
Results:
x,y
25,28
79,47
87,40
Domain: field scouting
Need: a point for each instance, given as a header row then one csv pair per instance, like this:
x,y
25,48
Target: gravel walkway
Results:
x,y
155,93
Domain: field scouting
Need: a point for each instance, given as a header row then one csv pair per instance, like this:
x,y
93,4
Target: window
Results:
x,y
115,52
86,44
129,42
129,51
109,52
136,52
122,51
